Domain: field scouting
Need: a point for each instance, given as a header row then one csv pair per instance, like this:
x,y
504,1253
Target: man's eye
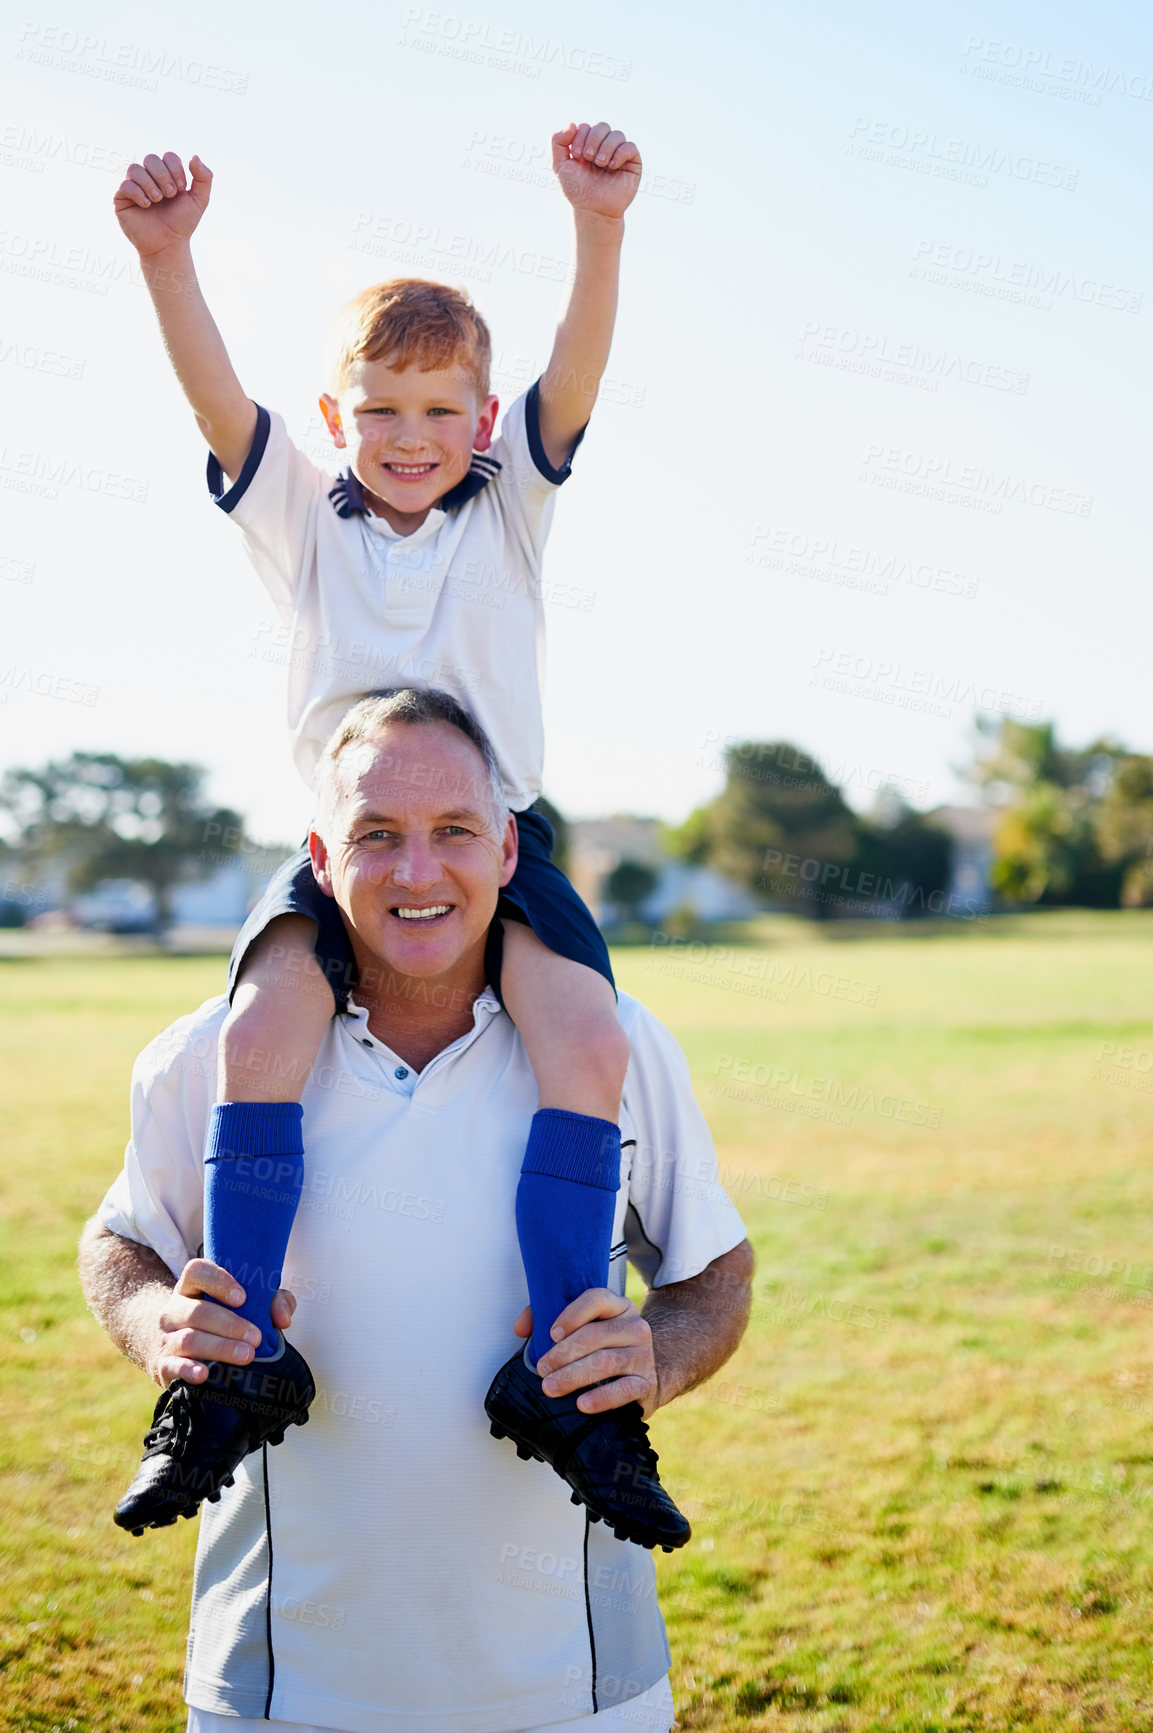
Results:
x,y
376,836
456,830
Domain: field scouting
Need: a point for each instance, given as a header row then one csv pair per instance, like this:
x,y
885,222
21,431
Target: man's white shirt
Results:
x,y
457,605
390,1565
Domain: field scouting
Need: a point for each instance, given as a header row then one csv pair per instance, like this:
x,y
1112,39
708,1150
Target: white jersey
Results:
x,y
650,1712
458,604
391,1568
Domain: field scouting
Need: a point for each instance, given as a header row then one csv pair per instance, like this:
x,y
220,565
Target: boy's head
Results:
x,y
408,394
410,323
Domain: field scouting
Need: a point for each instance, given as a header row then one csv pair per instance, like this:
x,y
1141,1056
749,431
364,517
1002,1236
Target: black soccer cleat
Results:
x,y
200,1434
606,1459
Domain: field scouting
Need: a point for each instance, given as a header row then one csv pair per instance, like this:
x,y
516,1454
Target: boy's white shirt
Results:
x,y
458,604
390,1567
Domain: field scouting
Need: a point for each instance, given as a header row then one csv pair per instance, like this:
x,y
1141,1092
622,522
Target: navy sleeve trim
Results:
x,y
228,498
536,449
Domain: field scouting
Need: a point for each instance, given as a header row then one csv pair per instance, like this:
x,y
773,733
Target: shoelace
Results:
x,y
637,1427
633,1425
171,1426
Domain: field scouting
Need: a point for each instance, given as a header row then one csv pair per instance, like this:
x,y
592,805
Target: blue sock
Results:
x,y
565,1201
253,1178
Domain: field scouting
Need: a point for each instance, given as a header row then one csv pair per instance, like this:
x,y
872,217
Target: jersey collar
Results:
x,y
356,1016
347,496
355,1022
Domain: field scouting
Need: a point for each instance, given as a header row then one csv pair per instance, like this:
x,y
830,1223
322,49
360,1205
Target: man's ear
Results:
x,y
510,846
330,410
321,864
486,422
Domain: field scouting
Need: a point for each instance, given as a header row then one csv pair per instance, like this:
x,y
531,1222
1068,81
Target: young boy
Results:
x,y
389,577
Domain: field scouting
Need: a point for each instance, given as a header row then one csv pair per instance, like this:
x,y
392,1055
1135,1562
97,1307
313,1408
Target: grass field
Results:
x,y
922,1492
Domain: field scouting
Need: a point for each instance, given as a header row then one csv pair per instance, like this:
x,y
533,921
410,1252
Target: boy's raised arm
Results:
x,y
158,207
599,171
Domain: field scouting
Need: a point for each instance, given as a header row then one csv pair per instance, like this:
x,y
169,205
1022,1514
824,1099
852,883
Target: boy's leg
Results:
x,y
565,1203
566,1016
253,1177
254,1170
281,1006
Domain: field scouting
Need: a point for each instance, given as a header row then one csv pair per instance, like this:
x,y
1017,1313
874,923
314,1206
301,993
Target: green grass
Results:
x,y
922,1492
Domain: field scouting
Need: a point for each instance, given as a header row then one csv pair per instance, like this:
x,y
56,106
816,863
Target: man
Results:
x,y
390,1566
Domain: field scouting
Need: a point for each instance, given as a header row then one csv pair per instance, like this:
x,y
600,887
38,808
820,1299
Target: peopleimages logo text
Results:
x,y
1020,277
118,62
1068,69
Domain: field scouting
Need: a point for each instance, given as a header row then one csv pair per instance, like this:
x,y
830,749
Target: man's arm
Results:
x,y
697,1325
599,171
684,1333
158,209
171,1329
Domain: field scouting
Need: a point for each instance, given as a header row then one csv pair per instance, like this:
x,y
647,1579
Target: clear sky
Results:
x,y
872,456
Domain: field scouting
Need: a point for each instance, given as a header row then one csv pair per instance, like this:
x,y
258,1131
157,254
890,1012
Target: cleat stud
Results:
x,y
575,1498
276,1438
498,1431
524,1452
138,1531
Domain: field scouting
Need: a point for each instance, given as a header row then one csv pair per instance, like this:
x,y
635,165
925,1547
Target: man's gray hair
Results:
x,y
413,707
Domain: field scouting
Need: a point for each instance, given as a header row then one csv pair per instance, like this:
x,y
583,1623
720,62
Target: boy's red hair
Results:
x,y
412,323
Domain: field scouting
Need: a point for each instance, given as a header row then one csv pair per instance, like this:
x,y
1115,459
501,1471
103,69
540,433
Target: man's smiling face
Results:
x,y
415,850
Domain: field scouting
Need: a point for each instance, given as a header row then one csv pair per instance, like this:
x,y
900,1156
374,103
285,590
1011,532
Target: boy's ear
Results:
x,y
485,425
330,410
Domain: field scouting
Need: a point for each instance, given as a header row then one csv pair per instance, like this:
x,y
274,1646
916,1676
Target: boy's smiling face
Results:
x,y
409,435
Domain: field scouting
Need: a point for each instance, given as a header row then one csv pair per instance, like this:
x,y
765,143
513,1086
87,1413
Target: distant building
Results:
x,y
115,906
597,846
220,901
225,899
971,830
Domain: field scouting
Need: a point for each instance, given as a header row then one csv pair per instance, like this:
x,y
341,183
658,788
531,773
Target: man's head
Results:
x,y
408,395
412,835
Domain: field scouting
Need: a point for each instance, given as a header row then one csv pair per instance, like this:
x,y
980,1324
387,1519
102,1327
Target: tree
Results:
x,y
782,828
1125,828
560,830
1041,846
691,841
630,884
104,817
1049,846
776,804
910,860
